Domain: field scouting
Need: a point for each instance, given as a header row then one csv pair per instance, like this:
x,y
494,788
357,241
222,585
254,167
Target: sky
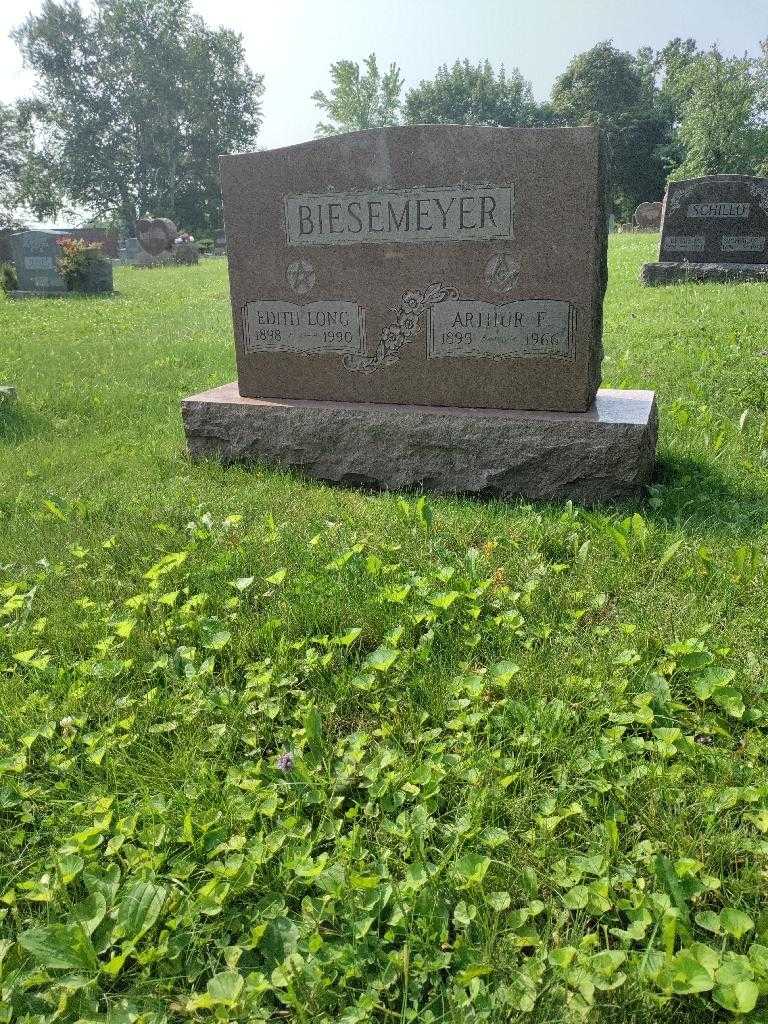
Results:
x,y
293,42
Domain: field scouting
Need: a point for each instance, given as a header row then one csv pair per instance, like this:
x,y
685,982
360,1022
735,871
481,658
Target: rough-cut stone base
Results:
x,y
18,294
605,454
683,272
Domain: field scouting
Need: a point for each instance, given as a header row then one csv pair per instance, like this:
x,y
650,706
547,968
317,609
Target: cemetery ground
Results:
x,y
274,750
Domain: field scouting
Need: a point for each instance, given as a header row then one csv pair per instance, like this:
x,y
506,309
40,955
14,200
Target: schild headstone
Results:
x,y
35,254
413,286
714,228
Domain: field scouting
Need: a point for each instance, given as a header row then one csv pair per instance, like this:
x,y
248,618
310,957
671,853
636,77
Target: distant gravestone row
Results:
x,y
395,328
714,229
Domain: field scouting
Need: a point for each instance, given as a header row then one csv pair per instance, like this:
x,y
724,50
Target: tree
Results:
x,y
616,90
134,103
468,94
14,142
721,129
359,101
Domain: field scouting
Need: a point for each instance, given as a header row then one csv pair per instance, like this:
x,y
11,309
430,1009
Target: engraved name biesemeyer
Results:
x,y
457,214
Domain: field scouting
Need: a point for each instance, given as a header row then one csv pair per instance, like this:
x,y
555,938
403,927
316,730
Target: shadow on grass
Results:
x,y
697,497
17,423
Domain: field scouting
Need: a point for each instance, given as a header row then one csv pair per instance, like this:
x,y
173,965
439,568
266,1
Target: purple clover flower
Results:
x,y
285,762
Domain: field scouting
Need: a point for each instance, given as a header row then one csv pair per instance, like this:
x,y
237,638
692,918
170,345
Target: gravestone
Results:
x,y
130,251
6,253
156,234
714,229
422,306
35,254
219,242
647,216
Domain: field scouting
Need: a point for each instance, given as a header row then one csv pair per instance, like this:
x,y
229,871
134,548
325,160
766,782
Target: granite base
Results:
x,y
683,272
22,294
606,454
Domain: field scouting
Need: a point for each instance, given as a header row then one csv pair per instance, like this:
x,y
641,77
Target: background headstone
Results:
x,y
219,242
130,250
647,216
718,219
432,265
35,254
186,253
6,251
156,234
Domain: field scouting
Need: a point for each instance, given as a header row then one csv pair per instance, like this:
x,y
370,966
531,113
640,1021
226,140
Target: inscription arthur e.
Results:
x,y
525,328
451,214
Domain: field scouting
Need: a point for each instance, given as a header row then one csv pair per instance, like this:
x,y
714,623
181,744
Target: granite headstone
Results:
x,y
130,251
434,265
713,228
647,216
156,234
35,254
719,219
422,307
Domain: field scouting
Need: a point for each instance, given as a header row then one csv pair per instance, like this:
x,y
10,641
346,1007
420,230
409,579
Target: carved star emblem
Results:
x,y
502,272
301,276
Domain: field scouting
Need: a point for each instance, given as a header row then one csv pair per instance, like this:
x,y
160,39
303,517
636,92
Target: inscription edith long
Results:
x,y
449,214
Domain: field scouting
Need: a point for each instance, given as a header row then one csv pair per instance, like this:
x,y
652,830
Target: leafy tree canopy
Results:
x,y
473,94
722,127
359,100
135,102
617,91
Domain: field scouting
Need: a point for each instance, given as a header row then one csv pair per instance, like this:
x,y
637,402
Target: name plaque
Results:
x,y
743,243
684,243
39,263
461,213
326,327
707,210
525,328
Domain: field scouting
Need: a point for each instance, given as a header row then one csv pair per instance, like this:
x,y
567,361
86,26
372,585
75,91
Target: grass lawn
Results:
x,y
276,751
